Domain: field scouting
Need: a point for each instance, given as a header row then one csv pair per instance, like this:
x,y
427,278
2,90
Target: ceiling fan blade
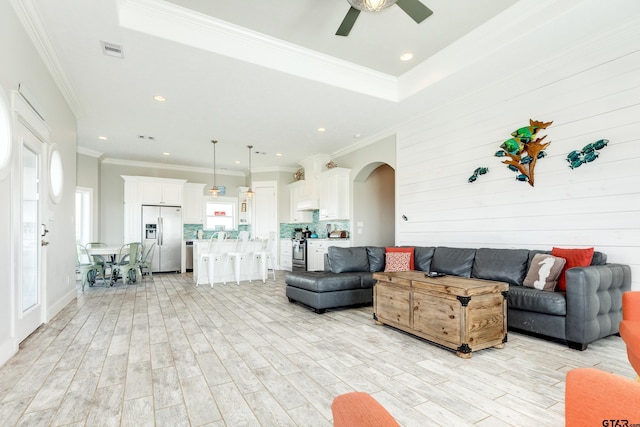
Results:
x,y
347,22
415,9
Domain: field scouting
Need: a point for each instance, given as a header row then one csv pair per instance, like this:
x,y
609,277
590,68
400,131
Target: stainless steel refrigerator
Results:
x,y
162,225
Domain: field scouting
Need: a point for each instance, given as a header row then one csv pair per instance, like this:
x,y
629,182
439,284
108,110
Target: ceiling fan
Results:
x,y
414,8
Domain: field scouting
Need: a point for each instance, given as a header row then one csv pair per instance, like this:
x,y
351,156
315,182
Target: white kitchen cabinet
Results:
x,y
145,190
193,203
297,193
317,248
286,262
334,194
161,192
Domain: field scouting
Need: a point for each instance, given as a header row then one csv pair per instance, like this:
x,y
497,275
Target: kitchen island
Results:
x,y
229,245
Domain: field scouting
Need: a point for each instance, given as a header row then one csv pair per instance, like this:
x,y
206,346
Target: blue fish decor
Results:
x,y
587,155
478,171
524,149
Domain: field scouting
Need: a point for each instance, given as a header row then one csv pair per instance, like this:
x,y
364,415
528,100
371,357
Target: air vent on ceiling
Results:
x,y
112,49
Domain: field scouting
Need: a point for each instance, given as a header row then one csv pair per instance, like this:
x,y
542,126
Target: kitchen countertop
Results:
x,y
327,239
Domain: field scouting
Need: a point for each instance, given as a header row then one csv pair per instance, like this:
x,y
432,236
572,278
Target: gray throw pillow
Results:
x,y
344,260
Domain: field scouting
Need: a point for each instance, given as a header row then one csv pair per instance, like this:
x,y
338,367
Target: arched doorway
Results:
x,y
374,206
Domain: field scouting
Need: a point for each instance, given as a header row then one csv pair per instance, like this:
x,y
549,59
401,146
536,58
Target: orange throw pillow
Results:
x,y
575,258
409,249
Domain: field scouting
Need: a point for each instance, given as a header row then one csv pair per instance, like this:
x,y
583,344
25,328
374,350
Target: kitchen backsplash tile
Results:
x,y
190,231
317,226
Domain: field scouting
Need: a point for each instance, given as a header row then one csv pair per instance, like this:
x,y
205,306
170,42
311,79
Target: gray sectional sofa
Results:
x,y
591,307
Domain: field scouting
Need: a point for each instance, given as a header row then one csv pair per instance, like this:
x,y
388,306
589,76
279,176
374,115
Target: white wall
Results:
x,y
373,222
21,64
88,176
372,191
581,71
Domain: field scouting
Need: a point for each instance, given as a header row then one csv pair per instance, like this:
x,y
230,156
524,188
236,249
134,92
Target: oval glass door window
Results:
x,y
56,175
5,135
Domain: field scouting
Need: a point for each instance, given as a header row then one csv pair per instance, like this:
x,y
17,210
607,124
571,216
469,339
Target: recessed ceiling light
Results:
x,y
166,154
407,56
159,98
279,154
321,129
103,138
237,162
356,135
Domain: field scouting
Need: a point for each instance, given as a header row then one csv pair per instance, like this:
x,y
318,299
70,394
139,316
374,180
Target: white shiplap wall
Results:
x,y
580,70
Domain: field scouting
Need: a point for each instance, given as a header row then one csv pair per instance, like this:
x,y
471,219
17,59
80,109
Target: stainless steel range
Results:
x,y
299,254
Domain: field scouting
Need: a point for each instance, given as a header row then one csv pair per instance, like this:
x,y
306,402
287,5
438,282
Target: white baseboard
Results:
x,y
57,306
8,348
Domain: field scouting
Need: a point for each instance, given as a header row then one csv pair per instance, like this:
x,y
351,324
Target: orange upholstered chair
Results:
x,y
630,327
359,409
592,397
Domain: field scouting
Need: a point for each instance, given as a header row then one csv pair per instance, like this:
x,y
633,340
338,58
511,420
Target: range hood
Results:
x,y
313,166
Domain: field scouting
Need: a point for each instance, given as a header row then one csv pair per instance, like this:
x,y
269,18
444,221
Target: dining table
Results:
x,y
109,255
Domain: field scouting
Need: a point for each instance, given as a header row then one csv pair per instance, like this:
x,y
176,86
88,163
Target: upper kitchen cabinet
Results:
x,y
146,190
298,193
193,203
161,191
334,194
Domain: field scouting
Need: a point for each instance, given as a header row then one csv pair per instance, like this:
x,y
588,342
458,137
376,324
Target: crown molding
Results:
x,y
27,13
89,152
181,25
183,168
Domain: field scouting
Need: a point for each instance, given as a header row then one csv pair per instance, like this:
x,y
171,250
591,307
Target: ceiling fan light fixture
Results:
x,y
371,5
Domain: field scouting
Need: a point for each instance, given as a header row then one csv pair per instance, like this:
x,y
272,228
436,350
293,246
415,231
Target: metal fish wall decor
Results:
x,y
523,150
477,172
587,155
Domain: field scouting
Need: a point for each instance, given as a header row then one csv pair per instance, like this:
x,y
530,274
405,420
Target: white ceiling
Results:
x,y
265,73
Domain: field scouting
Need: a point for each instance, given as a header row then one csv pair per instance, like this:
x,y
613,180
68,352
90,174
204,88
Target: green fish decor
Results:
x,y
588,154
512,146
524,149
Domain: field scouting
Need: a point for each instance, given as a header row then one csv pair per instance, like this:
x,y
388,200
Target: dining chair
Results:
x,y
265,258
146,260
127,263
213,258
241,256
100,259
87,267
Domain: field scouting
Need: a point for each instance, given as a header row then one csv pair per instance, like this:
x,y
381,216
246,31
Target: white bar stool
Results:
x,y
241,255
212,256
265,256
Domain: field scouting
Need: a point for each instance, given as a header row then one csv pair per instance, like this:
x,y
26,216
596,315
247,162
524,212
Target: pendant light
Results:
x,y
249,193
214,189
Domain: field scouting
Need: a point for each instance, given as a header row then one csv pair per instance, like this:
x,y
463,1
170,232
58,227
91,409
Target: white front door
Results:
x,y
29,275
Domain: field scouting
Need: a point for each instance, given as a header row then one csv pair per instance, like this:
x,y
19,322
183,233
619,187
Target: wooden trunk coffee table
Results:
x,y
463,314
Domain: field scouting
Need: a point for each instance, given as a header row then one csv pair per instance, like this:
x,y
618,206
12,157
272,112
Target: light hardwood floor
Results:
x,y
167,353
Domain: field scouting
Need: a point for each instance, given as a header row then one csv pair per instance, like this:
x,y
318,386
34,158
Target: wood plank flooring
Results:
x,y
167,353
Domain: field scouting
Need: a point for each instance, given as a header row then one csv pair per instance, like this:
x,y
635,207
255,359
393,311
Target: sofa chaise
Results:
x,y
589,309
